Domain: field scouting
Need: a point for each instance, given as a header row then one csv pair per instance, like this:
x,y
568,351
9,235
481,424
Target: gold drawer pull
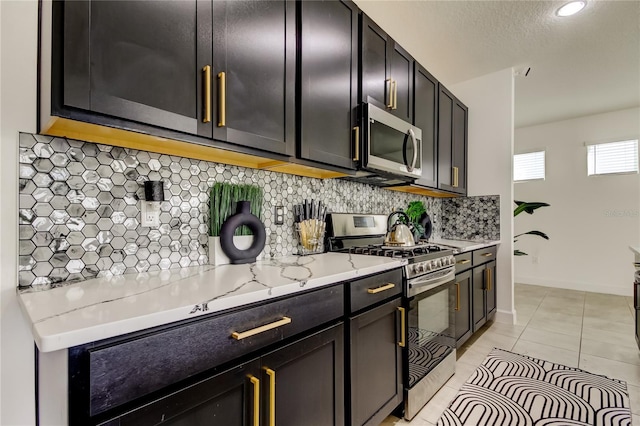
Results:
x,y
256,400
222,99
389,84
207,93
379,289
402,342
261,329
487,254
272,396
463,261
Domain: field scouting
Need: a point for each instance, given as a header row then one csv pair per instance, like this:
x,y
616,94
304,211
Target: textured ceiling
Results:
x,y
584,64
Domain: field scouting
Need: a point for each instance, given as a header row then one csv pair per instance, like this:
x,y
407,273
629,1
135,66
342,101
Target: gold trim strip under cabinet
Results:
x,y
222,99
272,396
243,335
388,286
402,341
256,400
206,75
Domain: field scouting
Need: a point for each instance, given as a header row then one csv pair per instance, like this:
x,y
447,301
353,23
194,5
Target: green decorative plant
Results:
x,y
223,200
415,211
527,207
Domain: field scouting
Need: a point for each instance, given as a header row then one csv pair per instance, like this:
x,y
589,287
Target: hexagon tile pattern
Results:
x,y
471,218
80,210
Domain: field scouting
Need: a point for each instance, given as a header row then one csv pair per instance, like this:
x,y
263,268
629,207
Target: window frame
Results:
x,y
532,151
617,140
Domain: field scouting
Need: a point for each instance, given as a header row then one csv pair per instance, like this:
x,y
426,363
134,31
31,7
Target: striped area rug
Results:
x,y
513,389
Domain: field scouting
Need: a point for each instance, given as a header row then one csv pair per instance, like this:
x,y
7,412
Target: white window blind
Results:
x,y
528,166
613,157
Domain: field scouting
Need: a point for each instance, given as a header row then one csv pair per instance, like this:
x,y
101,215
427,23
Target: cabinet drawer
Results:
x,y
375,288
484,255
463,261
125,371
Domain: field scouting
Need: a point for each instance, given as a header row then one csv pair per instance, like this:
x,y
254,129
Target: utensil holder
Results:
x,y
310,236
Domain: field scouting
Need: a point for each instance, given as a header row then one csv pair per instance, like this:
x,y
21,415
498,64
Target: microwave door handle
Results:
x,y
415,149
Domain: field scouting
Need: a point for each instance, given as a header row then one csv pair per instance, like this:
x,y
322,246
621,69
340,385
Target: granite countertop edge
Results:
x,y
105,304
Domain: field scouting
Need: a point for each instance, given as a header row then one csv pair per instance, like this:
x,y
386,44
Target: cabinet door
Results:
x,y
425,114
254,73
464,326
303,383
376,46
376,369
459,147
138,60
490,278
329,81
445,136
402,77
478,298
226,397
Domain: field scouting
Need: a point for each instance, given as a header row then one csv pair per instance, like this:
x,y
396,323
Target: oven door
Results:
x,y
431,327
392,145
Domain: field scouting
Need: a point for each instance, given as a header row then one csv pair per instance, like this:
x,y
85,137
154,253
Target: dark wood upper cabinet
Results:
x,y
425,113
328,52
139,61
254,54
387,72
452,143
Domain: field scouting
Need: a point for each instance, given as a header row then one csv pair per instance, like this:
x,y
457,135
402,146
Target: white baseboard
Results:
x,y
575,285
506,317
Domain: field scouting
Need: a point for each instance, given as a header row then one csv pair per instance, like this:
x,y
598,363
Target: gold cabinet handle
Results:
x,y
261,329
206,75
402,341
487,254
463,261
490,279
389,83
395,94
256,400
222,99
356,149
457,296
272,396
381,288
455,177
487,277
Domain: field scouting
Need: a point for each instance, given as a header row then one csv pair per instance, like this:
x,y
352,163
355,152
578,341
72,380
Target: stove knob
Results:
x,y
415,269
429,266
445,261
421,267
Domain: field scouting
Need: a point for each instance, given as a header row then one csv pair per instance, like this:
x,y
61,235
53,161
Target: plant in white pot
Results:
x,y
223,203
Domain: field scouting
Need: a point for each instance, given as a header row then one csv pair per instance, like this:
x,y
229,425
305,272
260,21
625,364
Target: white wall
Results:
x,y
490,99
18,50
592,219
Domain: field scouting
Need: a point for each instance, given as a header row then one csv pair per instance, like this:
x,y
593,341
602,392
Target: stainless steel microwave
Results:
x,y
391,145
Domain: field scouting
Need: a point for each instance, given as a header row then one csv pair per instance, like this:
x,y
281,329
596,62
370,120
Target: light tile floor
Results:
x,y
591,331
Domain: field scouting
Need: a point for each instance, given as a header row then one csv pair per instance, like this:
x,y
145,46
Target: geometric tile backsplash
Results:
x,y
471,218
80,210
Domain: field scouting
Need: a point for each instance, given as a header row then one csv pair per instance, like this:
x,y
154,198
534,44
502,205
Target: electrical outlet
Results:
x,y
279,215
150,214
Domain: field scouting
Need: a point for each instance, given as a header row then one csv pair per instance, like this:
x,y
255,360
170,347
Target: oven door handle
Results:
x,y
417,285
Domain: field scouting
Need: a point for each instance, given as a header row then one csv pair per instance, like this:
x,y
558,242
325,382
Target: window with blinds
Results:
x,y
529,166
613,157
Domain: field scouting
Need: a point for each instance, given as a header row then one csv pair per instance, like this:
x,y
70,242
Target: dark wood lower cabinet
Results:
x,y
376,368
306,379
464,326
484,294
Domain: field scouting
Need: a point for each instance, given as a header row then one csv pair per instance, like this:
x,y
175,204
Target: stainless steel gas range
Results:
x,y
429,355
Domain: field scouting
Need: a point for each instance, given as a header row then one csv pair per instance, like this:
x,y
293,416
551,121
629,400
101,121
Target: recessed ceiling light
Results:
x,y
571,8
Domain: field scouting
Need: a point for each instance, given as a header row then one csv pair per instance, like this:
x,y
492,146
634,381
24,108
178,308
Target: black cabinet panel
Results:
x,y
365,292
328,81
459,145
149,73
376,46
376,369
309,381
254,45
491,289
402,76
479,304
425,115
452,143
464,326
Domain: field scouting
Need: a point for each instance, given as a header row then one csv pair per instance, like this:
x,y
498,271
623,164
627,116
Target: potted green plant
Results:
x,y
415,211
223,204
529,208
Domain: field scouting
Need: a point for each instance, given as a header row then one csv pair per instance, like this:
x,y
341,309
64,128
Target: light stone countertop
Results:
x,y
461,246
105,307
